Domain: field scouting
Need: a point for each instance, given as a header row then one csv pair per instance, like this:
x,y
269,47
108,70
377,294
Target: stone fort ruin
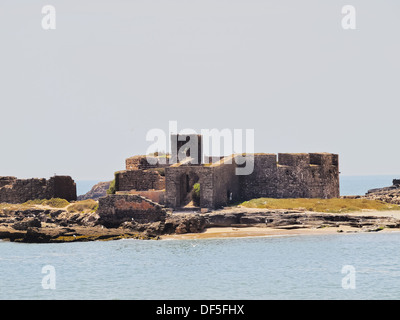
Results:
x,y
13,190
170,180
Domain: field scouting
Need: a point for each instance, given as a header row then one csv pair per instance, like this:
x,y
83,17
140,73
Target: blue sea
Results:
x,y
339,266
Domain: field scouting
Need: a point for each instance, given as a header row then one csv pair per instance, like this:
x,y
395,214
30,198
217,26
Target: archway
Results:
x,y
189,190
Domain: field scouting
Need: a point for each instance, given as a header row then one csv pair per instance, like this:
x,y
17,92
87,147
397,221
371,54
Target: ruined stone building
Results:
x,y
283,175
13,190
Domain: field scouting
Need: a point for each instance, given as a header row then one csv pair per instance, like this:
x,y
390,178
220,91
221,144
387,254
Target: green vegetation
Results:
x,y
336,205
84,206
196,194
111,189
53,202
113,186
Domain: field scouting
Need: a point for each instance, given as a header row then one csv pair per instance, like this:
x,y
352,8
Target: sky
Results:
x,y
79,99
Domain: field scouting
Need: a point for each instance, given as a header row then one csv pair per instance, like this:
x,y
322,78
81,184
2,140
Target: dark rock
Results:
x,y
27,223
252,219
223,219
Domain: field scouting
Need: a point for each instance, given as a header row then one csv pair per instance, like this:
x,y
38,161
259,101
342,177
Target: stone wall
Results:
x,y
139,180
292,175
186,146
286,175
180,180
145,162
13,190
263,182
153,195
116,209
218,182
226,188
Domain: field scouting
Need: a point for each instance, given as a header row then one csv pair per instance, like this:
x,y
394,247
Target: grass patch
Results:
x,y
84,206
53,202
335,205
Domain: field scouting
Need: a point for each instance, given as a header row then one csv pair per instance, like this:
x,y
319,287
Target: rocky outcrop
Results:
x,y
280,219
119,208
98,190
58,225
132,216
388,194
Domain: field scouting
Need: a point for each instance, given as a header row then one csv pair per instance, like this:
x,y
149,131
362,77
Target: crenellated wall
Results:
x,y
292,175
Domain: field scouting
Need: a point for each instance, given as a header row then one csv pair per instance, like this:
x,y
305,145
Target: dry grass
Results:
x,y
84,206
53,203
336,205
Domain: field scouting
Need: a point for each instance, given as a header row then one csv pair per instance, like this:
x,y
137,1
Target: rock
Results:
x,y
27,223
252,219
387,194
99,190
223,219
184,223
36,235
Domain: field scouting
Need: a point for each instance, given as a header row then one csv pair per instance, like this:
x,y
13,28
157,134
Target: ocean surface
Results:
x,y
285,267
339,266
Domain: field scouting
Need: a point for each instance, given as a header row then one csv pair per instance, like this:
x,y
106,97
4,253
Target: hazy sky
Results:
x,y
79,99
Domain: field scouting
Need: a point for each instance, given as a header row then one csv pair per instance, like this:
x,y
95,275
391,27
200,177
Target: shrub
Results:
x,y
196,194
111,189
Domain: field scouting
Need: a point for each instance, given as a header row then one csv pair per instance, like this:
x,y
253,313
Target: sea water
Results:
x,y
339,266
284,267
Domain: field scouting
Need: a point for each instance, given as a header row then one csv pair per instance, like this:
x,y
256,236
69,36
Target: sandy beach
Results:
x,y
237,232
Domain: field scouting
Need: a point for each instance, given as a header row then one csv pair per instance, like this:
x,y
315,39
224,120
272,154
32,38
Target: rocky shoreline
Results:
x,y
49,225
387,194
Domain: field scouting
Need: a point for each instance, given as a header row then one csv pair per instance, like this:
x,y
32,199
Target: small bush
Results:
x,y
196,194
111,189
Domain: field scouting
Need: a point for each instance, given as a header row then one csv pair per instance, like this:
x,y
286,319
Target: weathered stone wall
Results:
x,y
217,182
153,195
225,183
139,180
145,162
181,178
193,142
118,208
263,181
62,187
292,175
300,175
13,190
